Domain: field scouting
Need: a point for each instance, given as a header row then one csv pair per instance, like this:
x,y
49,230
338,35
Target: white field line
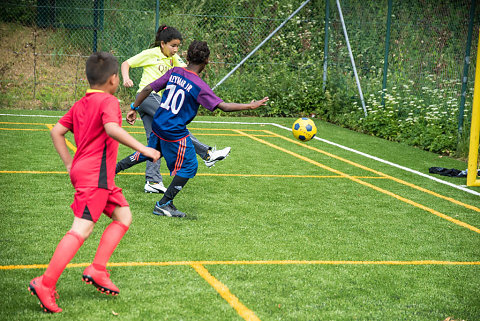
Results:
x,y
459,187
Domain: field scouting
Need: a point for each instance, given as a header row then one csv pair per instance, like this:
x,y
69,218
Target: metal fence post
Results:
x,y
261,44
461,109
351,58
387,47
34,63
325,50
95,25
157,13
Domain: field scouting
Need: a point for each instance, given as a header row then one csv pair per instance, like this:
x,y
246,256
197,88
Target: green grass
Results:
x,y
291,240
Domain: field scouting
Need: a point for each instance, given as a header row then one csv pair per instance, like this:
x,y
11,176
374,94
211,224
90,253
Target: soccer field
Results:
x,y
345,227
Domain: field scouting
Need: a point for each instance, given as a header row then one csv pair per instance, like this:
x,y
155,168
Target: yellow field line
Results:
x,y
204,174
134,132
25,129
381,190
231,135
200,128
33,172
13,123
272,175
208,134
130,132
224,129
69,144
225,293
253,262
452,200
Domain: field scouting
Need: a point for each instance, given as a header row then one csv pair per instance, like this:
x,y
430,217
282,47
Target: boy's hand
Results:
x,y
131,117
151,153
258,103
58,133
228,107
122,136
128,83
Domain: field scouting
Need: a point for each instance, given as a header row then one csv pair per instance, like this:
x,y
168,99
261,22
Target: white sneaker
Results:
x,y
152,187
215,155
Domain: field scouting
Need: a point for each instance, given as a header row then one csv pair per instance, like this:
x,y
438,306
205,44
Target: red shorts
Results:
x,y
90,202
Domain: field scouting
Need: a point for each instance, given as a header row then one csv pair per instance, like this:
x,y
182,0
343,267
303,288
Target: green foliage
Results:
x,y
57,58
18,12
426,56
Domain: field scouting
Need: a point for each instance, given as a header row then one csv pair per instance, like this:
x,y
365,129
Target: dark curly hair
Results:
x,y
198,52
100,66
166,34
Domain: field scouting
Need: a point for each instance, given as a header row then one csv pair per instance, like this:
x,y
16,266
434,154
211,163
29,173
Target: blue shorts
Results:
x,y
179,154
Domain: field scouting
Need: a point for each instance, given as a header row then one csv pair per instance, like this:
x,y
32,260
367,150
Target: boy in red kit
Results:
x,y
95,121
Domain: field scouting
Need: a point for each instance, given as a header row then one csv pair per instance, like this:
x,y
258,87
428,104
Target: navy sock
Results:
x,y
175,186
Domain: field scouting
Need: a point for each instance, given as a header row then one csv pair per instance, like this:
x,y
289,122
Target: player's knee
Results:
x,y
123,215
81,233
82,227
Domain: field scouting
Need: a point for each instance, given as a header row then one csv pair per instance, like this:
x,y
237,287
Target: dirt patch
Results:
x,y
34,74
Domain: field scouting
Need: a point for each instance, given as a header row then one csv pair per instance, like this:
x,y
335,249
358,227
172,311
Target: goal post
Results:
x,y
472,174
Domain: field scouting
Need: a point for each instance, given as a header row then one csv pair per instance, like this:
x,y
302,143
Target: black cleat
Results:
x,y
167,209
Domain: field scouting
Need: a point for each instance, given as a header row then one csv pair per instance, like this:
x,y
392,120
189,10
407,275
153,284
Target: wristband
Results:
x,y
133,108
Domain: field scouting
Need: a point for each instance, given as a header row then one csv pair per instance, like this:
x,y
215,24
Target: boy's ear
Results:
x,y
112,79
112,83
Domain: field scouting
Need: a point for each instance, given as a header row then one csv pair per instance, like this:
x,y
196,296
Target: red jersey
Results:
x,y
96,156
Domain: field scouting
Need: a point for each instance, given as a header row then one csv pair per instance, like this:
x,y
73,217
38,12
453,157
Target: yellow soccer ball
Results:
x,y
304,129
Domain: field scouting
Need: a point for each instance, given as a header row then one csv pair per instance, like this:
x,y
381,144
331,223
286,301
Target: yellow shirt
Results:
x,y
155,64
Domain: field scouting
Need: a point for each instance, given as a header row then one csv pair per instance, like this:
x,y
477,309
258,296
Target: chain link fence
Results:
x,y
421,103
45,44
57,36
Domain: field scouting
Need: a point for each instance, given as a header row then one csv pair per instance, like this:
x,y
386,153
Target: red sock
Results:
x,y
109,241
66,250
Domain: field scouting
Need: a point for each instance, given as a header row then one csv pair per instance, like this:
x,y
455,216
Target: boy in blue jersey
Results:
x,y
184,92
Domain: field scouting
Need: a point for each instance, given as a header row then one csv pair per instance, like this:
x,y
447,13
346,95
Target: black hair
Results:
x,y
166,34
198,52
100,66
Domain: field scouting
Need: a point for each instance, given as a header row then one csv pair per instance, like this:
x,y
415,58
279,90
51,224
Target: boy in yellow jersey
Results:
x,y
155,62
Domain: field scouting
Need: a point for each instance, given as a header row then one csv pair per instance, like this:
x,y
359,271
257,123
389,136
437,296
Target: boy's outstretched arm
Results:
x,y
58,133
142,95
132,114
120,135
236,107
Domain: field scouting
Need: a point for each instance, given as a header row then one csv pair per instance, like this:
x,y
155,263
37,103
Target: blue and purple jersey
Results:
x,y
184,92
